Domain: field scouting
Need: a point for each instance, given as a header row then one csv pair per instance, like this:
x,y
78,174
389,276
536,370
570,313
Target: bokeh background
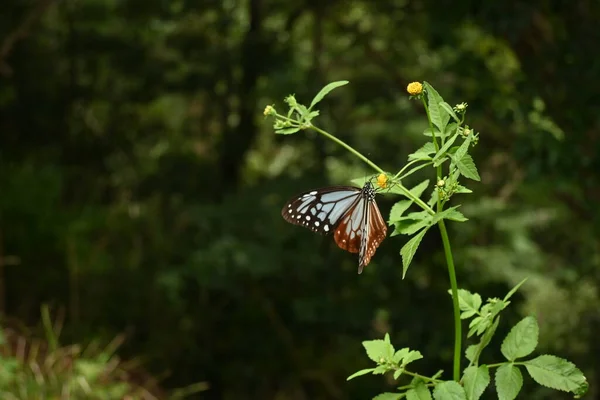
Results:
x,y
141,188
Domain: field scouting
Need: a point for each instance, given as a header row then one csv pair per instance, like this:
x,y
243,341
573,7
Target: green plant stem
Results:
x,y
425,378
454,287
404,190
450,264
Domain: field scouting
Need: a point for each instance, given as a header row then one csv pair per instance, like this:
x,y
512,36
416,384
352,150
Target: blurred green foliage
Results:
x,y
141,189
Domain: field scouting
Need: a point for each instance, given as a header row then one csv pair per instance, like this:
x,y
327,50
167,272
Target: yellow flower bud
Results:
x,y
382,181
414,88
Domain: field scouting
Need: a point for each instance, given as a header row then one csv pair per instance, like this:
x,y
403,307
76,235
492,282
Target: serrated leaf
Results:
x,y
409,226
400,354
509,381
521,340
557,373
467,167
471,352
449,110
514,290
449,390
450,213
436,132
381,369
398,209
438,116
424,153
390,347
462,189
376,349
409,249
418,392
360,373
388,396
445,148
287,131
464,147
412,355
418,190
468,301
323,92
476,380
397,373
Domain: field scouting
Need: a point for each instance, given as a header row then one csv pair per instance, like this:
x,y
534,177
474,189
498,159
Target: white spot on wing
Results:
x,y
326,228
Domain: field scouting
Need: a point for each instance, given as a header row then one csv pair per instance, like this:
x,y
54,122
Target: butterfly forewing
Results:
x,y
348,234
320,210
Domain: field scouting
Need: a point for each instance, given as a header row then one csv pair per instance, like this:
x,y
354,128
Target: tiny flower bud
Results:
x,y
291,101
381,360
382,181
414,88
460,107
441,183
466,132
269,110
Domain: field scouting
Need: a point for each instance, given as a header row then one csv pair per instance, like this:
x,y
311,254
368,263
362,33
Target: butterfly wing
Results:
x,y
375,230
348,234
321,210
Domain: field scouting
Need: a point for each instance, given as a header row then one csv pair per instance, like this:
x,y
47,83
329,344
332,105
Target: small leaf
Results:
x,y
400,354
508,382
390,347
445,148
467,167
409,226
476,379
413,355
409,249
287,131
462,189
557,373
418,190
471,352
449,390
325,91
451,214
418,392
397,373
424,153
398,209
464,147
468,301
437,114
521,340
360,373
514,290
381,369
436,132
388,396
376,349
449,110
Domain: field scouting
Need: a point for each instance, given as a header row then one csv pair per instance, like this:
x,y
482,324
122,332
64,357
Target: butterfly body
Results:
x,y
350,213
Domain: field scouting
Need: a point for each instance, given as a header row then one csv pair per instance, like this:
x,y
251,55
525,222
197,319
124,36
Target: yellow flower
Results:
x,y
269,110
414,88
382,181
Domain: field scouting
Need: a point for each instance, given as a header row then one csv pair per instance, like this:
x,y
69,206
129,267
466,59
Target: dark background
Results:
x,y
141,187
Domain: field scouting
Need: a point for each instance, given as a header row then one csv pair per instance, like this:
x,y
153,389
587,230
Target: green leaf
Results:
x,y
462,189
381,369
449,390
398,209
423,153
287,131
412,355
467,167
445,148
471,352
418,392
521,340
388,396
436,132
360,373
476,379
400,354
508,382
409,226
325,91
418,190
449,110
557,373
514,290
389,348
376,349
434,198
409,249
438,116
397,373
449,213
464,148
468,301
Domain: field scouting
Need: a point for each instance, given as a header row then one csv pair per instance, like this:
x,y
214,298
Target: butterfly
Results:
x,y
349,212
